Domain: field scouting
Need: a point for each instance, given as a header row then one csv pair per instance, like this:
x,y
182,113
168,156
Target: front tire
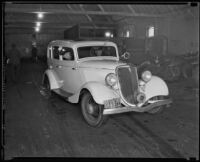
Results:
x,y
92,112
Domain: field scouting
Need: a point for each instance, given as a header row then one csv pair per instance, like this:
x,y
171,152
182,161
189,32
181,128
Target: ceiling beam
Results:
x,y
27,22
101,8
88,17
108,18
131,8
176,12
55,27
69,7
63,11
51,21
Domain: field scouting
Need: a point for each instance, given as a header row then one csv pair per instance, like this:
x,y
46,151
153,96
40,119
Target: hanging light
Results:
x,y
38,24
107,34
40,15
37,29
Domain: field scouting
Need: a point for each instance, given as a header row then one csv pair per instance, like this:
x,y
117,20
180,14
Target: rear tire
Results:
x,y
92,112
47,89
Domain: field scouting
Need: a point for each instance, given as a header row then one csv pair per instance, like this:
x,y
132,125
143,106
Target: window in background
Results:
x,y
127,34
150,31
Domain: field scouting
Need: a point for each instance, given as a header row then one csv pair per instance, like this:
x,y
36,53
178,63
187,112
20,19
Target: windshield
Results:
x,y
96,51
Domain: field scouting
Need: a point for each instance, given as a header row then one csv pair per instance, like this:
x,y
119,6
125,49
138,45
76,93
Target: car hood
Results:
x,y
101,64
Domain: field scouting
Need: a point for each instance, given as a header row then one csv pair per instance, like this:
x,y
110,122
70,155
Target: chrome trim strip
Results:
x,y
135,108
116,72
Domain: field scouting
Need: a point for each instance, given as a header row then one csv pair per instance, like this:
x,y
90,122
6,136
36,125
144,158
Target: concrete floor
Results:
x,y
37,127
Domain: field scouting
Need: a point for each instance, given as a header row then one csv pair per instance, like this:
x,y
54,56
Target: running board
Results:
x,y
62,93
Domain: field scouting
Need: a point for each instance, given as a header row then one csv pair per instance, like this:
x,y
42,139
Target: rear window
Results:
x,y
96,51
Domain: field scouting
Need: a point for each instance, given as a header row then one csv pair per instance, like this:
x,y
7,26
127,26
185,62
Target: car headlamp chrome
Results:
x,y
146,76
111,79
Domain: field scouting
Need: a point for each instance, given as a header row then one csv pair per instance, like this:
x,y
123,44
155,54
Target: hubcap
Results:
x,y
92,108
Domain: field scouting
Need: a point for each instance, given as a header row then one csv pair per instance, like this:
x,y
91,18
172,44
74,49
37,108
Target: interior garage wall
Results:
x,y
24,42
139,24
182,31
183,34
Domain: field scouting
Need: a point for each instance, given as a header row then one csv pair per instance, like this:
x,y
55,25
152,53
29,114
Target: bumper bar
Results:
x,y
136,108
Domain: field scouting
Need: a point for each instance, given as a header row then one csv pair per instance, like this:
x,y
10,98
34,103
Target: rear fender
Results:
x,y
54,80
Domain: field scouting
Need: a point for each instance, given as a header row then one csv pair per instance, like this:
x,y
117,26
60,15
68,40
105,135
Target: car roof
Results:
x,y
79,43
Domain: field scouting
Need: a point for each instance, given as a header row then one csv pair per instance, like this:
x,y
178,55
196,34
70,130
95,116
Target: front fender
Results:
x,y
99,92
156,87
54,80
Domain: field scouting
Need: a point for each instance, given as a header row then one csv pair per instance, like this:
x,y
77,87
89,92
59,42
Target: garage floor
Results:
x,y
37,127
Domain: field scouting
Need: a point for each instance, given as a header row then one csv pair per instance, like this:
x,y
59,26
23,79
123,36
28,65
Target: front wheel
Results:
x,y
92,112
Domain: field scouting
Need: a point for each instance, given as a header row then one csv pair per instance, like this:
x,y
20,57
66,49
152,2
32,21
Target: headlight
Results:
x,y
111,79
146,76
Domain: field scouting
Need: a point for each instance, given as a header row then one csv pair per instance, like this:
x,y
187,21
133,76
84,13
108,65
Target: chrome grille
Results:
x,y
128,81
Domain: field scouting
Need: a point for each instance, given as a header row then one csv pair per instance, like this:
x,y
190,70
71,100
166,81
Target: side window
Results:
x,y
55,52
150,31
67,53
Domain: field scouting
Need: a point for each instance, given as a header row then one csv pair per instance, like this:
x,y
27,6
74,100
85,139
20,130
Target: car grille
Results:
x,y
128,81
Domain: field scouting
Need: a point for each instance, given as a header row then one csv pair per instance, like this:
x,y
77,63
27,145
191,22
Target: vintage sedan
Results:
x,y
91,73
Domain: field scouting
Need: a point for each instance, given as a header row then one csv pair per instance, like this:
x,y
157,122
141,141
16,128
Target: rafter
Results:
x,y
178,11
52,22
69,7
88,17
132,10
55,27
102,9
63,11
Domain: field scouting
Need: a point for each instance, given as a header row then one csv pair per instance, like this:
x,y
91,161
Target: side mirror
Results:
x,y
126,55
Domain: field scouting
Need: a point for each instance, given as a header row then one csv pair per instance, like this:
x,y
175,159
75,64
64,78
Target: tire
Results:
x,y
47,89
92,112
156,110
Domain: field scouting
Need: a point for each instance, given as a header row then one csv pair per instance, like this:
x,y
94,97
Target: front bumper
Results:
x,y
136,108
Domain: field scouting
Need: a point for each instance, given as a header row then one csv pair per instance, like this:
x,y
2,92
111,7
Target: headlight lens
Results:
x,y
146,76
111,79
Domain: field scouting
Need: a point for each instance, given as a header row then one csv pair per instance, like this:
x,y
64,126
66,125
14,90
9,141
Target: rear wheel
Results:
x,y
47,89
92,112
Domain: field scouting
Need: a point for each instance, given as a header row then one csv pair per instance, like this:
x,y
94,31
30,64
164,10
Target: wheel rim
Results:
x,y
92,110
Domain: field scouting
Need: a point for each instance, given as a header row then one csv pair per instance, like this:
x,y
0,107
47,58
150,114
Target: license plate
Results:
x,y
113,103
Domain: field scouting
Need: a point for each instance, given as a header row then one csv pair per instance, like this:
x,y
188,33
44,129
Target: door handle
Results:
x,y
58,66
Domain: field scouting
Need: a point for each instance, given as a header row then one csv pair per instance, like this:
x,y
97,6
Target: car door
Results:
x,y
66,68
